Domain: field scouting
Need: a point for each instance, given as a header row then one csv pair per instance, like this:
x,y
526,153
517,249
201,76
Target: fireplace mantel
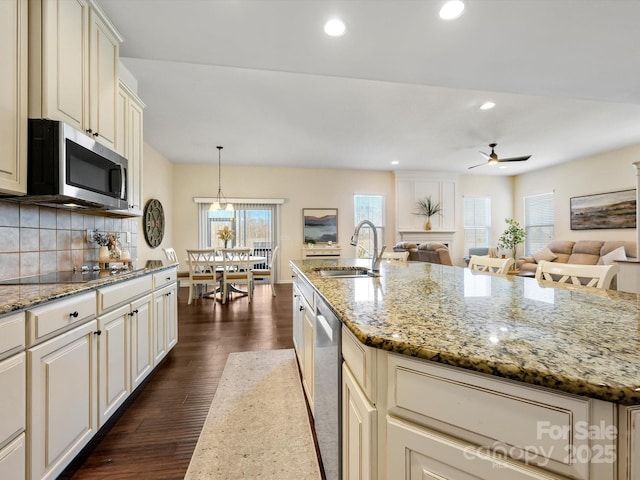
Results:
x,y
422,236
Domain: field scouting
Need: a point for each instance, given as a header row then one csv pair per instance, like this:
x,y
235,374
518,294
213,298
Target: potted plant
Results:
x,y
428,208
512,236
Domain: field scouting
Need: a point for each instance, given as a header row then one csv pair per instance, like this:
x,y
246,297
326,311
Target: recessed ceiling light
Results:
x,y
335,27
487,106
395,162
452,9
502,167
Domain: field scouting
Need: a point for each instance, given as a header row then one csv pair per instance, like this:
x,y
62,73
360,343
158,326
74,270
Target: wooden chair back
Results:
x,y
396,256
491,265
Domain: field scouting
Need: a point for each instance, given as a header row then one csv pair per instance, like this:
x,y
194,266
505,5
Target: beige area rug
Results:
x,y
257,426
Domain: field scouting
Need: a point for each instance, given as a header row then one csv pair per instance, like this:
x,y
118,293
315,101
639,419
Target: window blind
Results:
x,y
477,222
538,221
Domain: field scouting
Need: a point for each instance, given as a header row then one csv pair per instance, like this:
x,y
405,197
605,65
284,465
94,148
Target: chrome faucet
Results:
x,y
375,258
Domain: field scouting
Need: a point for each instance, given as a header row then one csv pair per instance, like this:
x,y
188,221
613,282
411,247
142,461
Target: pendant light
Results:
x,y
221,202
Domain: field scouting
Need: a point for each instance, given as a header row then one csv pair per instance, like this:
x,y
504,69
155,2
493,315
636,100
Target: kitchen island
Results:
x,y
442,340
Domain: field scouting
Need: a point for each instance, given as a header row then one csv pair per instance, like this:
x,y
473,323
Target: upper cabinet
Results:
x,y
13,96
129,142
73,66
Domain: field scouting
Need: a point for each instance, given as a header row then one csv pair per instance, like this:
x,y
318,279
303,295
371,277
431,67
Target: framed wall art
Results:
x,y
604,210
320,225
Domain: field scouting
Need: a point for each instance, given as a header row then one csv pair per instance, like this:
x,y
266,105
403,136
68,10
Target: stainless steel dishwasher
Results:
x,y
327,389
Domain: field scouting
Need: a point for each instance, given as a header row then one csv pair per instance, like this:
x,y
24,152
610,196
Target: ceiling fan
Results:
x,y
492,158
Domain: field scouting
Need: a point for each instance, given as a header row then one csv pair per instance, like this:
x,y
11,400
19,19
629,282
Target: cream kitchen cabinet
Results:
x,y
129,142
73,66
113,362
13,97
13,378
303,325
63,384
165,314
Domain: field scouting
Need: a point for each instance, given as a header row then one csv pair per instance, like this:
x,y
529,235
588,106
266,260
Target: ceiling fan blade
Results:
x,y
479,165
485,155
515,159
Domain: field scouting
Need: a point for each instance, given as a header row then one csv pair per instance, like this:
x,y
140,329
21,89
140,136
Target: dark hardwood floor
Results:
x,y
153,436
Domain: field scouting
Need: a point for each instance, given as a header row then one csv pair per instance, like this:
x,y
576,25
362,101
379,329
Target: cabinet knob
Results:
x,y
89,131
98,332
301,308
170,293
135,311
95,134
74,314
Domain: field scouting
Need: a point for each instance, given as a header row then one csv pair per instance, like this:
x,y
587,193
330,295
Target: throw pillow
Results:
x,y
545,254
611,257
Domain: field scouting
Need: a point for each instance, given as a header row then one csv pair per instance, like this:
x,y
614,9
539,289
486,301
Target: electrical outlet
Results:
x,y
89,235
128,237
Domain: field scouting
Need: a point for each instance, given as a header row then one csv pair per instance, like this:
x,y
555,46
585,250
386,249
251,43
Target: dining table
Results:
x,y
218,260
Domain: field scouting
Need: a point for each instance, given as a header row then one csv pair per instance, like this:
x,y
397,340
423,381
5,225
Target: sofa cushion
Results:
x,y
586,252
611,257
562,249
403,246
544,254
610,245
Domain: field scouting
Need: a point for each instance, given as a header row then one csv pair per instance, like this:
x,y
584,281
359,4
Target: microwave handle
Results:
x,y
123,183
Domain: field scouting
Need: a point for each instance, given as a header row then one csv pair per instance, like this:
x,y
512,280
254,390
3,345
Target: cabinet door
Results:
x,y
135,147
420,453
159,314
13,378
13,459
103,81
59,61
13,96
359,459
141,335
113,365
171,316
297,326
63,387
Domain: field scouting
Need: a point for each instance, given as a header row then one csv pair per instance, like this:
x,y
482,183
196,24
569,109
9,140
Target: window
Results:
x,y
538,222
477,222
253,225
369,207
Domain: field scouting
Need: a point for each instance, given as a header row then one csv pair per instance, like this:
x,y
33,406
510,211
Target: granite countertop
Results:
x,y
18,297
575,339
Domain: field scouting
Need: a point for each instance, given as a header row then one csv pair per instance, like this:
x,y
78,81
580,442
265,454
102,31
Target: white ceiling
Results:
x,y
262,79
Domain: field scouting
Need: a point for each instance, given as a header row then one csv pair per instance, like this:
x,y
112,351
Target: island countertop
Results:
x,y
583,341
18,297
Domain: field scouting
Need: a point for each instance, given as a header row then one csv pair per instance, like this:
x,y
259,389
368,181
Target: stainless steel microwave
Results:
x,y
66,167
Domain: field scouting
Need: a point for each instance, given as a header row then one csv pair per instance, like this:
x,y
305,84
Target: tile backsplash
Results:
x,y
36,240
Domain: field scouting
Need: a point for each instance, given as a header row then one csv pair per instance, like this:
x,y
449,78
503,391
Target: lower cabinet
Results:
x,y
113,387
12,459
359,456
419,453
141,337
308,321
62,414
165,319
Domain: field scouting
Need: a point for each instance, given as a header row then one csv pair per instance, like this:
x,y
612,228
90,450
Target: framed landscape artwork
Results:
x,y
320,225
604,210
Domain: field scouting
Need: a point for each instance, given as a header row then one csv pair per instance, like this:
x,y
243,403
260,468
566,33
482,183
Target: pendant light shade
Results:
x,y
221,202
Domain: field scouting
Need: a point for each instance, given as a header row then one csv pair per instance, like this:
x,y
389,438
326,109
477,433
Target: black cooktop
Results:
x,y
83,276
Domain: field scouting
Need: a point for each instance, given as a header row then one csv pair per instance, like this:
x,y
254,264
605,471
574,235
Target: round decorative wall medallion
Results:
x,y
153,222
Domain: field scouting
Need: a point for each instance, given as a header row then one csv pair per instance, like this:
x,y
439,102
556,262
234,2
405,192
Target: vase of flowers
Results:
x,y
428,208
225,234
102,239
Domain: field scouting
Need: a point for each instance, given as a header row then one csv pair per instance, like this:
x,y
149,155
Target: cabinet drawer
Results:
x,y
306,290
545,427
163,278
13,374
13,459
12,334
361,361
59,315
121,293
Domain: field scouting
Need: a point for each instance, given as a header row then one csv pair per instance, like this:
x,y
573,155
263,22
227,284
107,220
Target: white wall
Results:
x,y
607,172
300,187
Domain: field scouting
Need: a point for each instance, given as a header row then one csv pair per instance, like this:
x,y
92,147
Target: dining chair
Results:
x,y
172,257
598,276
396,256
236,270
480,263
203,270
268,273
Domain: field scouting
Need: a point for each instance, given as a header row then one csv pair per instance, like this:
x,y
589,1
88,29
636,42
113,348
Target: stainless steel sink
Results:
x,y
345,273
